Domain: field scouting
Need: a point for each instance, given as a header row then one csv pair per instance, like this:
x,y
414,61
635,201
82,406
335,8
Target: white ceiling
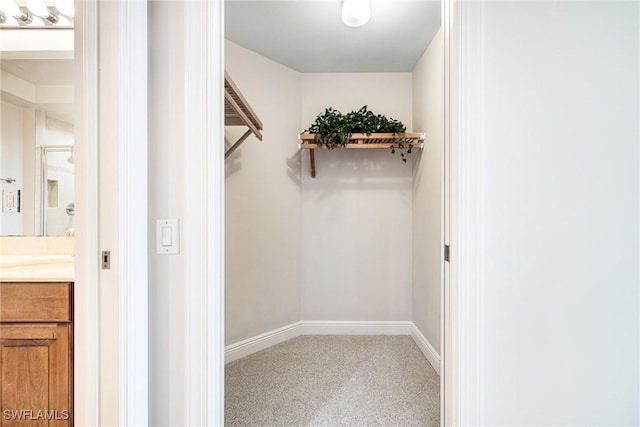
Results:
x,y
41,72
42,58
309,36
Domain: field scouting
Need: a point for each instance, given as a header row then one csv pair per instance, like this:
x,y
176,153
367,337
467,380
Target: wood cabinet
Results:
x,y
36,354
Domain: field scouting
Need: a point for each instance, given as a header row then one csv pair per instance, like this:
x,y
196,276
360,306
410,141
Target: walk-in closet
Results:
x,y
333,254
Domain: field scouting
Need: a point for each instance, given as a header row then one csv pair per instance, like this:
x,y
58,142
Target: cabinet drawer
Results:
x,y
35,302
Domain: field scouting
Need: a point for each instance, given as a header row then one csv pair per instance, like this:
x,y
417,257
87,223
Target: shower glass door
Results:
x,y
57,202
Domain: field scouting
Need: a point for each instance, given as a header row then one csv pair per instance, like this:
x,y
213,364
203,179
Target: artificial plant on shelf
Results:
x,y
332,128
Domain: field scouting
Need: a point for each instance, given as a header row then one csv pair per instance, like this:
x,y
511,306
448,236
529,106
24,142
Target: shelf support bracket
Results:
x,y
312,162
237,144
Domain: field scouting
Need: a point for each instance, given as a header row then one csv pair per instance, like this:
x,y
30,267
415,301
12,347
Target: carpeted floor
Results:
x,y
334,381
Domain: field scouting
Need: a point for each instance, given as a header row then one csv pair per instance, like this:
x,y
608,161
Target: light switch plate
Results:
x,y
167,236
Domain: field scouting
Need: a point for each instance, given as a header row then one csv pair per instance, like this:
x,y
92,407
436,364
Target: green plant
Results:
x,y
332,128
405,147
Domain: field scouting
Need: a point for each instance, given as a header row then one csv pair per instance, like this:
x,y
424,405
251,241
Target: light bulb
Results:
x,y
10,8
355,13
10,21
65,7
38,8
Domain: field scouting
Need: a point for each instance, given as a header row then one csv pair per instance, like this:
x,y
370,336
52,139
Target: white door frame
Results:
x,y
463,25
464,142
110,306
203,242
463,34
86,343
463,31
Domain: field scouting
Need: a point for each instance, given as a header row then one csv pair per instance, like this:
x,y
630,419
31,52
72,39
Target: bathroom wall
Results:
x,y
356,213
23,131
428,108
263,222
30,174
56,133
11,165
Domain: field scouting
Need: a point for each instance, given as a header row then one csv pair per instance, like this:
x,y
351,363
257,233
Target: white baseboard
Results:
x,y
260,342
312,327
425,346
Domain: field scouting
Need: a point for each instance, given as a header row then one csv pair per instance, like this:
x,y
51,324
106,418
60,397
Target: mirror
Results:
x,y
36,132
56,190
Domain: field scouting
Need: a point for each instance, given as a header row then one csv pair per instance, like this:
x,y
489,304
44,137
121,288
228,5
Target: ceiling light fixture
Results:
x,y
8,20
356,13
12,12
39,9
9,8
36,14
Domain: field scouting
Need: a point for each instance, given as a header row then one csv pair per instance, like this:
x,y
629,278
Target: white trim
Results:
x,y
425,346
463,296
260,342
445,187
313,327
448,371
203,223
38,42
122,333
86,341
133,219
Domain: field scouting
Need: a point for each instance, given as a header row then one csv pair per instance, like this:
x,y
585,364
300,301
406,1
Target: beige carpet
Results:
x,y
334,381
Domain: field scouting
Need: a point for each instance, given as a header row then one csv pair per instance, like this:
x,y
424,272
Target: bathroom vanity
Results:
x,y
36,340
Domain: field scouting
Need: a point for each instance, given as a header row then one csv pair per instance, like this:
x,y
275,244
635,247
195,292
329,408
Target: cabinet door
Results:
x,y
35,369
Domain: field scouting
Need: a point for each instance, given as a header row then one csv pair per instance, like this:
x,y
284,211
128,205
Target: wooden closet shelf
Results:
x,y
362,141
238,112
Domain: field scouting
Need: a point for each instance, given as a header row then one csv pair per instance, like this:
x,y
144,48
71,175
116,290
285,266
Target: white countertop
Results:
x,y
37,268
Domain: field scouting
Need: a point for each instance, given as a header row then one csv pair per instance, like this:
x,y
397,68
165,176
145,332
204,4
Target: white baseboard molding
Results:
x,y
260,342
315,327
312,327
425,346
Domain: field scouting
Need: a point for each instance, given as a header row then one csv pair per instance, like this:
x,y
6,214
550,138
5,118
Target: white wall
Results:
x,y
56,133
561,214
30,173
166,196
428,110
342,240
11,164
24,129
262,201
356,240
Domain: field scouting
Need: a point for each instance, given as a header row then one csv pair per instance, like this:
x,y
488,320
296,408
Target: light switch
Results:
x,y
167,236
